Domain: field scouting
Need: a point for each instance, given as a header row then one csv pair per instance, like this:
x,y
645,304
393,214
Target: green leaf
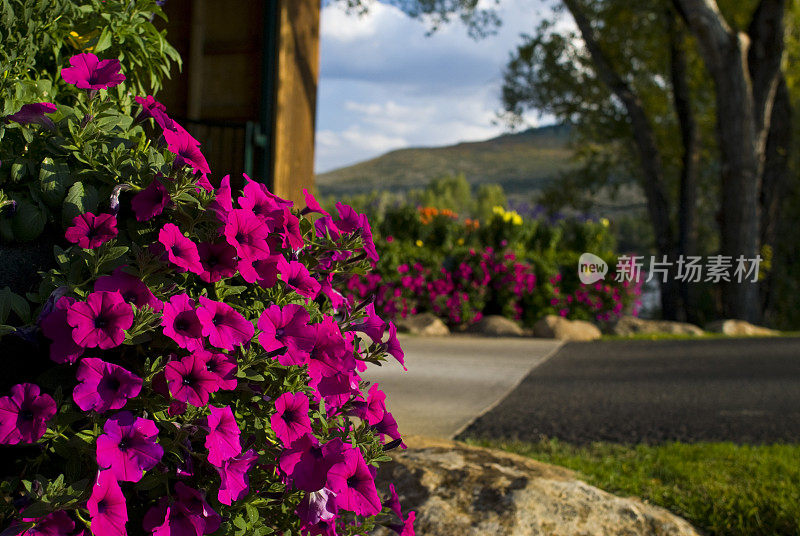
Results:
x,y
104,41
80,199
53,179
28,222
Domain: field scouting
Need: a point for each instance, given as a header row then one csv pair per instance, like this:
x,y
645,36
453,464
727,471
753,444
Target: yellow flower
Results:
x,y
498,210
79,41
460,241
516,219
419,243
604,222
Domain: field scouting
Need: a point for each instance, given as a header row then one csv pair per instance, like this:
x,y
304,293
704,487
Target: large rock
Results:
x,y
458,489
738,328
556,327
631,325
496,326
422,324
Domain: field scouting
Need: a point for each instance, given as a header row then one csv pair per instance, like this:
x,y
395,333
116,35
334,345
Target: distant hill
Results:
x,y
521,163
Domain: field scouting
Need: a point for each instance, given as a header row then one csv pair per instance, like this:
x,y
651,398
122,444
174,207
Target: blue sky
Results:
x,y
385,85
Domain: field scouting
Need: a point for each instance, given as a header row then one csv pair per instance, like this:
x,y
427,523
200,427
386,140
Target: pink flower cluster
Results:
x,y
199,346
601,301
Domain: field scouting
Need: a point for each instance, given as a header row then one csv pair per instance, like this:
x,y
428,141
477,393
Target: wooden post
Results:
x,y
194,97
295,98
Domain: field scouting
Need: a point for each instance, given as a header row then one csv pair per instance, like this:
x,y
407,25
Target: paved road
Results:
x,y
742,390
452,380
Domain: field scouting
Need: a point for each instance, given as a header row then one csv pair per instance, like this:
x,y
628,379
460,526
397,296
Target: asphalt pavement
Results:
x,y
740,390
452,380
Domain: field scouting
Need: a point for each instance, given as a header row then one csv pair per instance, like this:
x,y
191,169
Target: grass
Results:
x,y
721,488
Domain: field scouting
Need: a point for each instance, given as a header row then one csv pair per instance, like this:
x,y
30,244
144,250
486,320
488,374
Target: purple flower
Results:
x,y
218,261
224,326
221,365
248,234
151,201
152,108
287,326
167,519
186,150
189,381
194,502
101,320
56,524
222,440
233,473
263,271
317,506
306,464
132,289
181,251
181,324
90,231
354,484
331,353
107,506
374,408
24,414
393,346
56,328
128,446
34,113
103,386
372,325
336,389
312,205
295,275
290,420
88,72
388,426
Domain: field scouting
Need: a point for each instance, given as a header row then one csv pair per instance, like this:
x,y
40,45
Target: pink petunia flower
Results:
x,y
354,484
24,414
56,524
374,407
290,420
296,276
152,108
287,326
388,426
325,227
194,502
223,325
34,113
88,72
101,320
132,289
233,473
107,506
90,231
181,323
56,328
218,261
248,234
317,506
221,365
222,440
186,150
223,201
336,389
172,519
188,380
372,324
312,205
263,271
260,201
306,464
128,446
332,353
181,251
151,201
103,386
393,346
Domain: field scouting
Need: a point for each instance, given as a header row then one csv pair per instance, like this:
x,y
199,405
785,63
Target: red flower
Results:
x,y
88,72
90,231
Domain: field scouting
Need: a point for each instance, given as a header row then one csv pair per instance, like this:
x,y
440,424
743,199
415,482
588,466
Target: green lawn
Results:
x,y
721,488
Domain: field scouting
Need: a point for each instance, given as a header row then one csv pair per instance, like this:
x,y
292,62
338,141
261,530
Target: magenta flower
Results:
x,y
375,406
88,72
56,524
174,519
186,150
354,484
218,261
222,440
151,201
56,328
223,325
223,366
297,278
248,234
287,326
132,289
393,346
101,320
394,501
261,201
189,381
181,251
90,231
290,420
152,108
223,202
325,227
34,113
263,271
336,389
181,324
388,426
331,353
312,205
317,506
107,506
24,414
234,475
306,464
194,503
372,324
103,386
128,446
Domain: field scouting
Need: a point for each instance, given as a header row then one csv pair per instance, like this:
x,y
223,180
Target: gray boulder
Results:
x,y
556,327
496,326
739,328
471,491
631,325
422,324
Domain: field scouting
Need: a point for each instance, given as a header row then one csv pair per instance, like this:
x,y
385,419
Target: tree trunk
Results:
x,y
647,149
687,208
